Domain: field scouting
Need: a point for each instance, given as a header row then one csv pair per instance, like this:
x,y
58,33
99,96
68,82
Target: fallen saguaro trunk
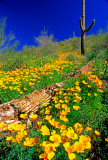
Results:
x,y
10,111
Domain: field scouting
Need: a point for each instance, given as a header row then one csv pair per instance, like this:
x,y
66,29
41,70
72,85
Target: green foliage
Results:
x,y
46,42
93,109
71,57
101,64
97,42
7,43
90,55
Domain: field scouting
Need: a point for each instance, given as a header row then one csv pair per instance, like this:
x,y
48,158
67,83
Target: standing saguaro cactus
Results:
x,y
82,26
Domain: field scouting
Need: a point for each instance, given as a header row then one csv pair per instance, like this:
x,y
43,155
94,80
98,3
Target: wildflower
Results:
x,y
42,111
51,155
30,83
64,105
53,132
10,87
44,156
84,82
65,119
70,93
72,89
106,139
95,94
76,83
89,86
89,72
87,123
33,117
18,138
63,127
25,88
56,89
85,140
47,117
30,142
88,129
56,139
48,151
94,69
76,107
58,125
99,90
50,107
69,149
61,101
89,94
16,127
60,92
101,72
53,122
71,156
45,104
22,132
63,112
39,123
66,100
44,130
71,134
47,111
78,128
58,106
23,116
10,138
2,125
79,148
78,88
55,99
98,83
67,109
77,99
97,133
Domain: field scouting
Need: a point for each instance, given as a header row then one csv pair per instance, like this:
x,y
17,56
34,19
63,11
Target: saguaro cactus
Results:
x,y
82,26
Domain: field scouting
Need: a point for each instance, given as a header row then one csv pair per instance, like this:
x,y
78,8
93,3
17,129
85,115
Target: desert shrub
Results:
x,y
96,42
76,43
46,42
90,55
7,43
100,42
71,57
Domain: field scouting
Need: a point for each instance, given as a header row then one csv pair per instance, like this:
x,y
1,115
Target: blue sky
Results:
x,y
27,18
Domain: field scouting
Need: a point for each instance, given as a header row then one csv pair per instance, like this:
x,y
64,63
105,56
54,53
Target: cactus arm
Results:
x,y
86,30
80,22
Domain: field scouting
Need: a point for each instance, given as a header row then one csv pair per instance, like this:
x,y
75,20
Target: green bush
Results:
x,y
46,42
7,43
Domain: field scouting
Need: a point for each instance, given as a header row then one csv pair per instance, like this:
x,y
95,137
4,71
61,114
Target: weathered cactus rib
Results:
x,y
86,30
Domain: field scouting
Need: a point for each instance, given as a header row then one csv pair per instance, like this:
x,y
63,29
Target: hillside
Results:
x,y
73,124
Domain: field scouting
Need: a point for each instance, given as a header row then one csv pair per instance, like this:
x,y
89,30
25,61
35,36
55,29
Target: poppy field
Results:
x,y
73,125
